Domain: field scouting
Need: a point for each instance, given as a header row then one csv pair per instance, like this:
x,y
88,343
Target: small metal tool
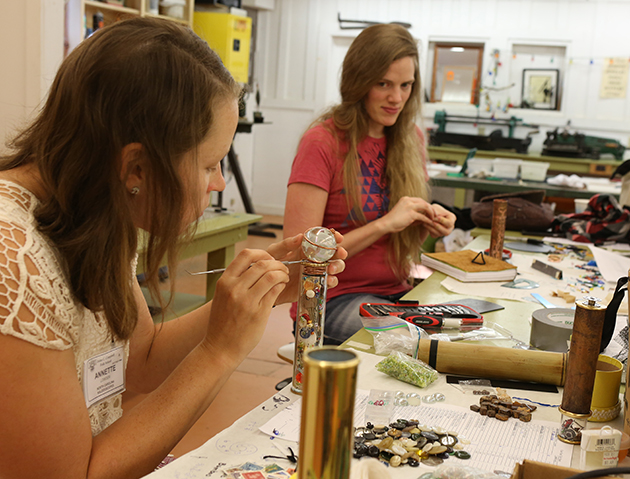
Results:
x,y
221,270
521,283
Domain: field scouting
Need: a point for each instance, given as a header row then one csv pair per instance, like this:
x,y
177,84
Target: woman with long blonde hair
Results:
x,y
360,169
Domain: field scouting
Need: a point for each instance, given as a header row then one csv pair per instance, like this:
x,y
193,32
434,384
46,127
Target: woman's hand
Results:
x,y
407,211
290,249
443,222
244,296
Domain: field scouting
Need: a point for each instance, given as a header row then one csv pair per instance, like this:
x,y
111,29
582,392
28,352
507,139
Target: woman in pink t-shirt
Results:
x,y
360,170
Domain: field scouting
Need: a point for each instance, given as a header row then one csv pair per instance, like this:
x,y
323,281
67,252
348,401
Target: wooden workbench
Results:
x,y
578,166
216,236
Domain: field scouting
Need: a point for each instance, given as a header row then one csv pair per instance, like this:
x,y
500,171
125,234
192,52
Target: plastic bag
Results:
x,y
445,471
489,331
477,387
369,468
410,370
393,334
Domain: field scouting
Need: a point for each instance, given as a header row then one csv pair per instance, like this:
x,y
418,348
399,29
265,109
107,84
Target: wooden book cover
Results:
x,y
460,265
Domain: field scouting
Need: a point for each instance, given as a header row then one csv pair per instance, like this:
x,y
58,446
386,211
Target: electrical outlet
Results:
x,y
481,130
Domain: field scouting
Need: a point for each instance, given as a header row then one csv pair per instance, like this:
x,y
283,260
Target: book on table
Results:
x,y
469,266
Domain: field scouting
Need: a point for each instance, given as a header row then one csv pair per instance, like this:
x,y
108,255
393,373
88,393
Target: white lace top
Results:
x,y
58,321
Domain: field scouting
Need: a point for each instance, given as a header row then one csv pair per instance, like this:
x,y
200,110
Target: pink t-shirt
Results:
x,y
318,162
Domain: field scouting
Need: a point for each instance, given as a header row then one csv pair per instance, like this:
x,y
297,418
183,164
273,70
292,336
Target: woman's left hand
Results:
x,y
290,249
443,223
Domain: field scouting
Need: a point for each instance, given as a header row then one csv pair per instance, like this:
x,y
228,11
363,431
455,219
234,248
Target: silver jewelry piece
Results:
x,y
135,190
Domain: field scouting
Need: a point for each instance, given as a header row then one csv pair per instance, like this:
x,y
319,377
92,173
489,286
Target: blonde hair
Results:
x,y
366,63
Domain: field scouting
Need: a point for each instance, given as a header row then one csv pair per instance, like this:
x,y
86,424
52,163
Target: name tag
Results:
x,y
104,375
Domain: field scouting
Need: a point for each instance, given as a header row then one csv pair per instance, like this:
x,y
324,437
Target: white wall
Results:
x,y
31,50
300,49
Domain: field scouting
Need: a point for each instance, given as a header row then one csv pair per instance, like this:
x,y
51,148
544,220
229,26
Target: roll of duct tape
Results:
x,y
551,329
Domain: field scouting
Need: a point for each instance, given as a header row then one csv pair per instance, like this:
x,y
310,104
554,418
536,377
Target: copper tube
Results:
x,y
497,234
583,353
493,361
326,434
311,312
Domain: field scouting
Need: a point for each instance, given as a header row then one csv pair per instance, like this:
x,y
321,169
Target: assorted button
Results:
x,y
407,442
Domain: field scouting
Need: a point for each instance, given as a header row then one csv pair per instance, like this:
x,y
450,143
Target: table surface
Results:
x,y
515,186
581,166
244,442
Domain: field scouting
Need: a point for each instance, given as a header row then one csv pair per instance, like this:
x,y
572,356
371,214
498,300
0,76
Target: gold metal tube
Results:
x,y
328,394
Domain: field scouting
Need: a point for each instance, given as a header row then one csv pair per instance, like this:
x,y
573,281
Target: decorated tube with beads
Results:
x,y
311,311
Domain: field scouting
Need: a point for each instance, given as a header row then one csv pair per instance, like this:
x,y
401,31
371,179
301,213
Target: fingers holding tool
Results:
x,y
244,296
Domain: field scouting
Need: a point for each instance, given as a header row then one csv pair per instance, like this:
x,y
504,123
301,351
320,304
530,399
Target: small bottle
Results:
x,y
153,7
599,448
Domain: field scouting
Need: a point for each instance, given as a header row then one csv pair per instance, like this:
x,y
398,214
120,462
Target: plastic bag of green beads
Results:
x,y
404,368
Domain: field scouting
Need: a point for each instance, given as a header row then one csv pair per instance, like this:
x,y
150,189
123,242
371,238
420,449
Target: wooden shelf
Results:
x,y
112,13
166,17
111,7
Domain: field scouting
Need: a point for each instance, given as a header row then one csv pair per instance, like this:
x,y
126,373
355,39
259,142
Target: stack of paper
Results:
x,y
460,265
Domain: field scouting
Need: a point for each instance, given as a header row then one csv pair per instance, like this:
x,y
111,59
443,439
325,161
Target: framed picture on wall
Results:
x,y
540,89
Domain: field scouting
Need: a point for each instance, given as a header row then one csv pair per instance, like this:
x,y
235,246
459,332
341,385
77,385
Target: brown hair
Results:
x,y
366,63
141,80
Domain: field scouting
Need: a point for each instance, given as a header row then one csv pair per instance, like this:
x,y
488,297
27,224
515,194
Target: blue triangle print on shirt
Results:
x,y
367,171
375,188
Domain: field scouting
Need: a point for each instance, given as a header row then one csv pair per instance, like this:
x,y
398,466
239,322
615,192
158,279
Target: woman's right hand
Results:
x,y
242,302
407,211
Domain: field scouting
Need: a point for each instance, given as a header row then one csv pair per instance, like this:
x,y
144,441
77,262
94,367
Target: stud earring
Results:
x,y
135,190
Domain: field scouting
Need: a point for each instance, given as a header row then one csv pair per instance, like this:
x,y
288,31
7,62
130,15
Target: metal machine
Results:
x,y
577,145
493,141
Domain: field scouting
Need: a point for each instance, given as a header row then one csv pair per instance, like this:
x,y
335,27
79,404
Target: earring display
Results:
x,y
319,246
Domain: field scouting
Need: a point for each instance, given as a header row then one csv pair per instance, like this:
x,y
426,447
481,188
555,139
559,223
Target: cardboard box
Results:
x,y
540,470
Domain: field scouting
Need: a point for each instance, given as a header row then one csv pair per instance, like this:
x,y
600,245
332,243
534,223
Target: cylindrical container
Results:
x,y
497,234
493,361
311,312
326,434
581,366
551,329
605,405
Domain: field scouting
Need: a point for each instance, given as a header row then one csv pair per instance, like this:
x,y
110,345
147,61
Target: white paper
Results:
x,y
493,444
612,265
